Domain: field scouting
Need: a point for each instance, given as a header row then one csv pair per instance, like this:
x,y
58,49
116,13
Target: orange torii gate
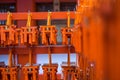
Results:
x,y
80,32
7,32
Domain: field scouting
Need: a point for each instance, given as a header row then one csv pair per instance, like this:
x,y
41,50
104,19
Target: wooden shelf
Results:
x,y
38,15
55,49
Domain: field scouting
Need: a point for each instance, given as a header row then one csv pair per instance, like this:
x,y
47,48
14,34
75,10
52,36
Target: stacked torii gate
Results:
x,y
77,32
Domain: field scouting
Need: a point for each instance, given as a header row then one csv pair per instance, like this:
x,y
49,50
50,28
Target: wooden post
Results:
x,y
49,19
68,19
10,58
30,56
49,56
68,55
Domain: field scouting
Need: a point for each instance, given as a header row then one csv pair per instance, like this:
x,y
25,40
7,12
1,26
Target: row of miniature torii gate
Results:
x,y
12,36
